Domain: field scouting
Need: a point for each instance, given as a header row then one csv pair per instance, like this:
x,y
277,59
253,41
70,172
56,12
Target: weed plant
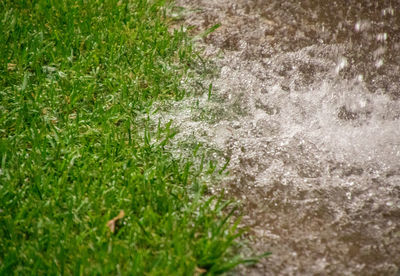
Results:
x,y
75,76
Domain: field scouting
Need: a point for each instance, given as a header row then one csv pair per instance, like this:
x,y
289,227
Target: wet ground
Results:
x,y
307,107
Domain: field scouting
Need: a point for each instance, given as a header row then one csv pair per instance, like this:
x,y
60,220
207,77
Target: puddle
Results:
x,y
307,107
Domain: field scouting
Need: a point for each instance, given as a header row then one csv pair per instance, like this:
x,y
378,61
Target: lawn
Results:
x,y
77,83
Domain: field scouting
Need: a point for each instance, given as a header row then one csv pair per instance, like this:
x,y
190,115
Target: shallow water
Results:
x,y
309,114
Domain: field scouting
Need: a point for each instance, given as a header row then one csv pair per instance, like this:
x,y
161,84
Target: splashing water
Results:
x,y
308,111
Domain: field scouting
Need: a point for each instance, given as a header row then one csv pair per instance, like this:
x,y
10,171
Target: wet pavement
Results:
x,y
307,108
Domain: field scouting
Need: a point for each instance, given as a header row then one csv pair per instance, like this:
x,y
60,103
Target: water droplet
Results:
x,y
362,25
382,37
357,27
379,63
342,63
388,11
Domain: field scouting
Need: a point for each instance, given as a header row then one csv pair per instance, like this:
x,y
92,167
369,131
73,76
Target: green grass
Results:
x,y
76,80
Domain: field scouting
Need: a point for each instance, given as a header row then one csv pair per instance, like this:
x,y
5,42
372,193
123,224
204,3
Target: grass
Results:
x,y
76,77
